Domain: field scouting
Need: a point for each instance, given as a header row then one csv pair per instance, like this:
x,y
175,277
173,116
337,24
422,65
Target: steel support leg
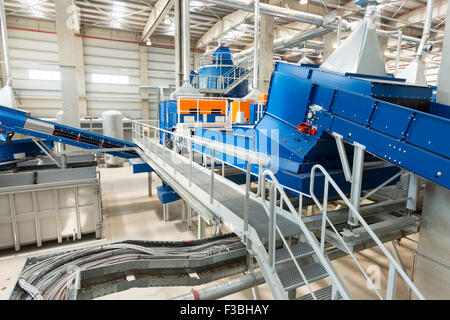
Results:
x,y
392,283
183,211
166,212
189,217
150,193
292,294
413,192
355,196
201,230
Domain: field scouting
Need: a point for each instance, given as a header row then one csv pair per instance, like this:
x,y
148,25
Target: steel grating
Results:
x,y
321,294
299,250
292,279
226,194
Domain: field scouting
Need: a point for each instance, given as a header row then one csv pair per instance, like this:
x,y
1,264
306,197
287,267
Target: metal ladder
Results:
x,y
300,264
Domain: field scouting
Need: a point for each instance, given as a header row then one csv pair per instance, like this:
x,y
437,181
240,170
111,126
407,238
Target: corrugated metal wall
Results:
x,y
36,50
116,58
33,50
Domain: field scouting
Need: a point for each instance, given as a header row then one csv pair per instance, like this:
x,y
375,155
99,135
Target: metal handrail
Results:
x,y
310,238
323,208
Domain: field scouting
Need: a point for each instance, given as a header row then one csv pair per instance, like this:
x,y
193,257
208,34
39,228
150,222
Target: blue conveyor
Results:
x,y
18,121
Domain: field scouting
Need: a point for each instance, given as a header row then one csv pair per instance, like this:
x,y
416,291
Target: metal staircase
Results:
x,y
286,249
223,84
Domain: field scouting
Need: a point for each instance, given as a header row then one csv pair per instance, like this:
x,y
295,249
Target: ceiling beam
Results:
x,y
416,16
224,25
161,9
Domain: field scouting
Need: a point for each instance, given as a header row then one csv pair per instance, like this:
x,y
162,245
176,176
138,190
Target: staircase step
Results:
x,y
321,294
299,250
292,278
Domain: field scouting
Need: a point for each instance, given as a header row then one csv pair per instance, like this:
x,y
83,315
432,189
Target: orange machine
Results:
x,y
189,106
240,106
263,98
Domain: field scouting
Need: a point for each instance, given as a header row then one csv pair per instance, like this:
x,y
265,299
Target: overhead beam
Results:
x,y
224,25
417,16
161,9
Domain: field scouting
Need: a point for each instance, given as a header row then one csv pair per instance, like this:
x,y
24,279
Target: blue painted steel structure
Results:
x,y
18,121
222,65
395,121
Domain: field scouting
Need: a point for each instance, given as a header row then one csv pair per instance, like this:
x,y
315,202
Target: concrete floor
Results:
x,y
129,213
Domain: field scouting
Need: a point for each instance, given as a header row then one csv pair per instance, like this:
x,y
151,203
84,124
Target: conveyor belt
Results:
x,y
18,121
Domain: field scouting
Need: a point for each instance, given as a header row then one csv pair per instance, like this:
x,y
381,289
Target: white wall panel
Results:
x,y
39,50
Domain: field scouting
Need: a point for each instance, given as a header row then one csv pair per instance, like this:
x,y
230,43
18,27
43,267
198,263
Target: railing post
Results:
x,y
164,148
392,282
190,161
272,224
213,163
324,215
247,195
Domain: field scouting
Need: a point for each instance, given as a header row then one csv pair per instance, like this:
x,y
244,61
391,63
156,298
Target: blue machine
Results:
x,y
222,65
395,121
18,121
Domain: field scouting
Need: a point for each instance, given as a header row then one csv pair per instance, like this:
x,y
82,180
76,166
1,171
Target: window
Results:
x,y
110,78
44,75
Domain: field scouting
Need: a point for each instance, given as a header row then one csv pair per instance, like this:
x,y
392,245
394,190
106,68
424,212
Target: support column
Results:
x,y
67,46
81,76
143,64
266,37
433,278
178,44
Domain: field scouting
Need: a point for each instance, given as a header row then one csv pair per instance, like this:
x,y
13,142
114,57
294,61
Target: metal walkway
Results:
x,y
227,202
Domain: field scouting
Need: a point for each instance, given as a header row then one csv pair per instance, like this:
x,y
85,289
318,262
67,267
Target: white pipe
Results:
x,y
5,43
399,48
186,41
272,10
426,29
256,48
339,29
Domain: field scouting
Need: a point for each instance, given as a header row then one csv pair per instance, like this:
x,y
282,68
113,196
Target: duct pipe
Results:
x,y
5,43
288,41
256,48
225,289
186,41
339,29
272,10
399,48
426,29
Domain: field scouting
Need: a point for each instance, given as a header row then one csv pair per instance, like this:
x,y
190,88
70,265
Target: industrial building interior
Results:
x,y
224,149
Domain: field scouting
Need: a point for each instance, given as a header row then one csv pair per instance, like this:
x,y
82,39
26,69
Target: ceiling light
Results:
x,y
149,42
167,20
303,2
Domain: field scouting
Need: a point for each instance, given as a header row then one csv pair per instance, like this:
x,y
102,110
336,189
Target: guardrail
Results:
x,y
394,266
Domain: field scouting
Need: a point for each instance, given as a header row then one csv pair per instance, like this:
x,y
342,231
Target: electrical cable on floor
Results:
x,y
58,276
